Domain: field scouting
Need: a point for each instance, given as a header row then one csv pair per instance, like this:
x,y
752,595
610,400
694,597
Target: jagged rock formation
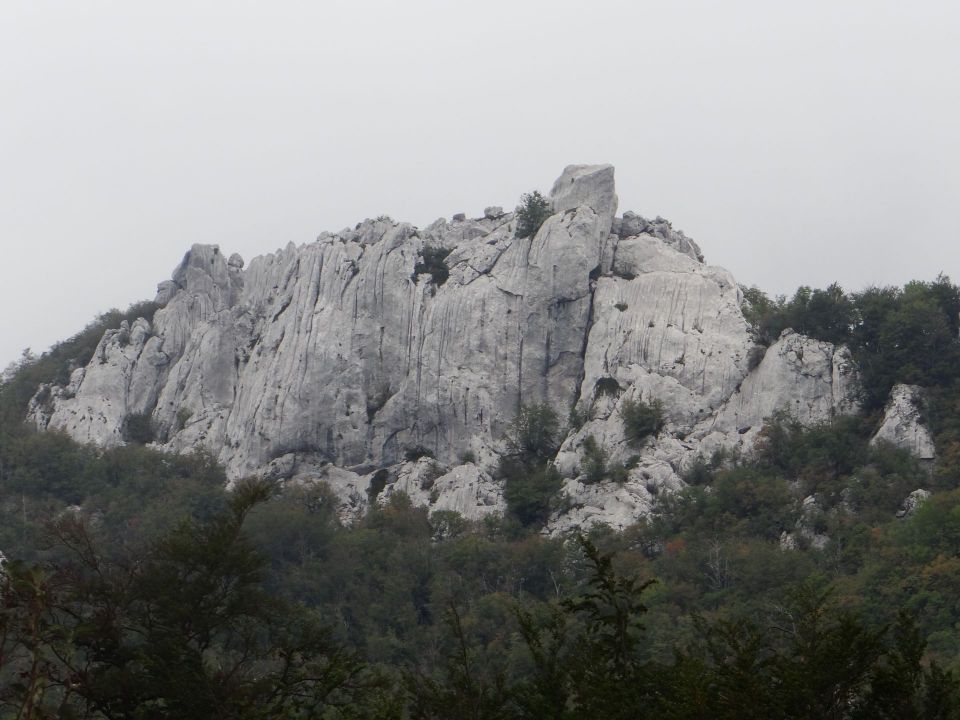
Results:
x,y
912,502
902,425
808,379
331,360
805,531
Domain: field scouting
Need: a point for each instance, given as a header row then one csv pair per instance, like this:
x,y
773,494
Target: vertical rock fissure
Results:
x,y
586,341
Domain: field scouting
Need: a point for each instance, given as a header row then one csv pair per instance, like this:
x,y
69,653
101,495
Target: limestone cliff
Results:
x,y
903,426
334,359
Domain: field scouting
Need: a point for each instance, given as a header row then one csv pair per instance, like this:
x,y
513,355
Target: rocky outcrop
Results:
x,y
808,530
465,489
330,361
808,380
902,424
633,225
912,502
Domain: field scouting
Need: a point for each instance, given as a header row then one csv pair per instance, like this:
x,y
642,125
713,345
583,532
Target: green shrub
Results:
x,y
529,489
534,432
183,417
415,453
138,428
531,482
56,365
607,386
594,465
699,472
641,420
577,419
618,473
434,264
448,524
533,210
755,356
819,456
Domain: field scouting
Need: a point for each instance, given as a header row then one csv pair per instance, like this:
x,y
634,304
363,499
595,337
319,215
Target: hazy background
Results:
x,y
798,143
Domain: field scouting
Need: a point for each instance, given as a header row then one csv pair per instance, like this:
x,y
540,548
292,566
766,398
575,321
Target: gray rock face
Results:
x,y
902,425
805,530
328,361
912,502
807,379
632,225
465,489
586,185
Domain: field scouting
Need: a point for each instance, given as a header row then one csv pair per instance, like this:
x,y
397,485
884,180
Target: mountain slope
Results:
x,y
345,358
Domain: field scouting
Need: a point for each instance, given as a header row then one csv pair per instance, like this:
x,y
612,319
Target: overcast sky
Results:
x,y
798,143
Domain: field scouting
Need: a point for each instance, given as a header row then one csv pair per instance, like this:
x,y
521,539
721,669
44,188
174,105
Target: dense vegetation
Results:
x,y
530,481
906,335
138,587
641,420
532,212
55,366
434,264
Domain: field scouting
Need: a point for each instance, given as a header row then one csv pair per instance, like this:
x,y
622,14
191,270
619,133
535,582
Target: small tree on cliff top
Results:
x,y
533,210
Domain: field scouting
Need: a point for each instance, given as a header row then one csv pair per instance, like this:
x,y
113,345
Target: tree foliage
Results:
x,y
434,264
641,419
531,482
594,466
532,212
896,335
185,631
139,587
534,434
56,365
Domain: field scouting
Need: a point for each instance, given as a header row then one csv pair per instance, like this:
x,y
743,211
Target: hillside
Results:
x,y
458,472
342,359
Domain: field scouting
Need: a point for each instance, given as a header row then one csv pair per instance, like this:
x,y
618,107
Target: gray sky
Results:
x,y
798,143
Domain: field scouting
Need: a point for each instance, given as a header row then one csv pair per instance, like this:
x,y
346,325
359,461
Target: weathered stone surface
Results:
x,y
809,380
912,502
328,361
590,185
632,225
464,489
669,316
337,348
902,424
440,233
121,380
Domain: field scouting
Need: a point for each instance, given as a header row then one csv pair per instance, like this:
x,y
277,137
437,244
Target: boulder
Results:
x,y
902,424
913,501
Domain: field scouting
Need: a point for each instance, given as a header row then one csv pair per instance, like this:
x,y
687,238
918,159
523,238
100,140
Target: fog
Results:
x,y
799,143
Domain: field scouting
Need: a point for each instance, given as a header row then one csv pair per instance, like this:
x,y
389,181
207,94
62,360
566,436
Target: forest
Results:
x,y
136,586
